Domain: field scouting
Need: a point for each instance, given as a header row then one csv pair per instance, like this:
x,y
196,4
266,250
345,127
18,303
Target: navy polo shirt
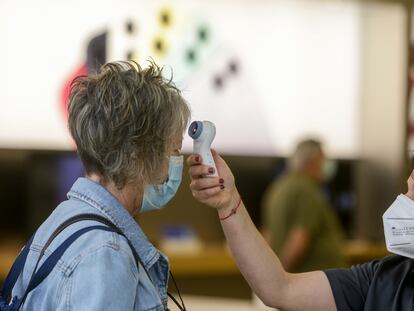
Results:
x,y
386,284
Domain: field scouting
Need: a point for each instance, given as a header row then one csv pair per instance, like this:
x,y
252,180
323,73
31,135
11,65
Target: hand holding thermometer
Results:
x,y
203,133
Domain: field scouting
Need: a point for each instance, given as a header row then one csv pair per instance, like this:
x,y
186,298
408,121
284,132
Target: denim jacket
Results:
x,y
98,271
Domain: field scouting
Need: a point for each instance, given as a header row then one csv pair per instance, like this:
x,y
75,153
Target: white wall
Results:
x,y
299,67
382,120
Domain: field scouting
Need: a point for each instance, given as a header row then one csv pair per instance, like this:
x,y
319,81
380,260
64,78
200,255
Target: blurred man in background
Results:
x,y
299,223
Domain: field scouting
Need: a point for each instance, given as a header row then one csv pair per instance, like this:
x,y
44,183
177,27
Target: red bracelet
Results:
x,y
233,210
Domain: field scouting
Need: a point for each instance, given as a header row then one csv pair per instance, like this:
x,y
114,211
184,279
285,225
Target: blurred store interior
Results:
x,y
267,72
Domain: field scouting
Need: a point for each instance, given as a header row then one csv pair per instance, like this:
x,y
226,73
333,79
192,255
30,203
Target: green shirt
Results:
x,y
296,201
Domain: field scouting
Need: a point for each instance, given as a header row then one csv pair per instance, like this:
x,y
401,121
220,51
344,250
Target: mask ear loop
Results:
x,y
182,306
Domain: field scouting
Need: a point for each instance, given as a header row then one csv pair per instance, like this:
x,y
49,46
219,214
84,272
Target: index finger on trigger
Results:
x,y
194,159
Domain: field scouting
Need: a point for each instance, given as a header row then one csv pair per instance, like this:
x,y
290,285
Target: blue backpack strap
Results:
x,y
39,275
52,260
47,267
66,224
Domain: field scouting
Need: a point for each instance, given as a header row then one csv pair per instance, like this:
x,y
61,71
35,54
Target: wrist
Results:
x,y
229,209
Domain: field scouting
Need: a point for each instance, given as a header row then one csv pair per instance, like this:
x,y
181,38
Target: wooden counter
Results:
x,y
217,259
9,249
213,260
358,251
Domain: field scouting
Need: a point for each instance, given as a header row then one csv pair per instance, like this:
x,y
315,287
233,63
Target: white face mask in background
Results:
x,y
329,169
398,222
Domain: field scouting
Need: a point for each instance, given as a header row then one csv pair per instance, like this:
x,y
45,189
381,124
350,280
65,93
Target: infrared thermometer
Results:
x,y
203,133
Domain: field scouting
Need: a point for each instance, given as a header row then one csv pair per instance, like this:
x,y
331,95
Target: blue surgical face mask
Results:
x,y
157,196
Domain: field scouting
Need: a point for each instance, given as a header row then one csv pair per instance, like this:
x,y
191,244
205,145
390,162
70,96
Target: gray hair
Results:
x,y
305,151
122,120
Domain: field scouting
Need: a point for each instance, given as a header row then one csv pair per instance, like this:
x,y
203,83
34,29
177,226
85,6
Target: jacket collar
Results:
x,y
100,198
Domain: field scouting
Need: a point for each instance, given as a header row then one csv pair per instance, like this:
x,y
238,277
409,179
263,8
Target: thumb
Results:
x,y
217,158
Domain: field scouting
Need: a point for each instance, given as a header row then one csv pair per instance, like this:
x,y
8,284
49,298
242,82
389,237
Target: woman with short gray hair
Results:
x,y
127,123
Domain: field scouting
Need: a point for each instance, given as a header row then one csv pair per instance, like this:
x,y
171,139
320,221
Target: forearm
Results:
x,y
256,260
295,248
